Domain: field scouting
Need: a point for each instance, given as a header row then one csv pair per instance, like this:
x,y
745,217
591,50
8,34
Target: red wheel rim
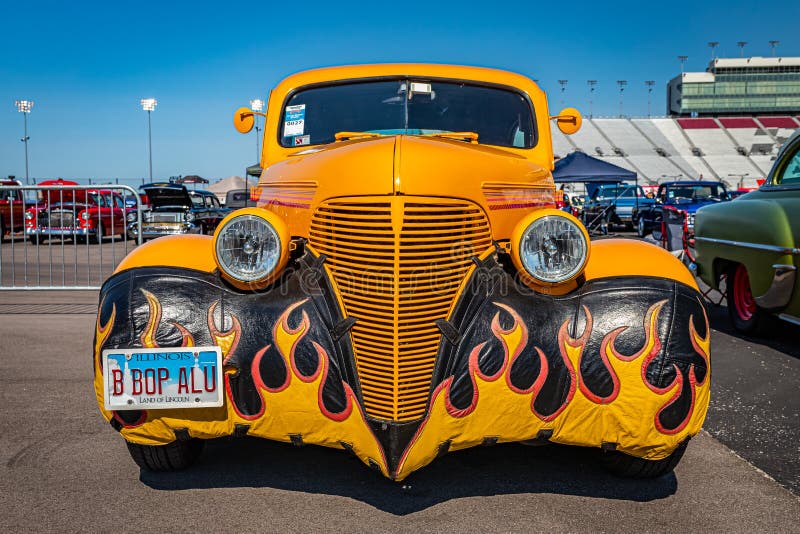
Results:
x,y
742,297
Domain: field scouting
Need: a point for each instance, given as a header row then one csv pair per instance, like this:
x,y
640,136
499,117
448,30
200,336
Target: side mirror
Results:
x,y
244,119
569,120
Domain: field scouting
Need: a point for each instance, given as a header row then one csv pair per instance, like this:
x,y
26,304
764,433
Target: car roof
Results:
x,y
694,182
424,70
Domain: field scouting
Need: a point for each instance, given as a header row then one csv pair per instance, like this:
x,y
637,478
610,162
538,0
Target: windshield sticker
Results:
x,y
301,140
294,123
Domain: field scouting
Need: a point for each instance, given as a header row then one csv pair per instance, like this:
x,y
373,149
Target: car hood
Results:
x,y
498,180
168,196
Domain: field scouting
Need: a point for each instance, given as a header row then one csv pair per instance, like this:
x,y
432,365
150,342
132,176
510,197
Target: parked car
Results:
x,y
404,287
12,209
614,204
754,245
76,214
686,196
238,198
176,210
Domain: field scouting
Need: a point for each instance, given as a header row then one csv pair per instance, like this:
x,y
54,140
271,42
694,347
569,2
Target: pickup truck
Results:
x,y
614,204
686,196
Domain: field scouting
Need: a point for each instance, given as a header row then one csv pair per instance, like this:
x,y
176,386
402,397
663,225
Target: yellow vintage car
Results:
x,y
405,287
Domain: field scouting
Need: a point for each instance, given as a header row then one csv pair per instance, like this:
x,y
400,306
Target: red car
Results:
x,y
78,214
12,209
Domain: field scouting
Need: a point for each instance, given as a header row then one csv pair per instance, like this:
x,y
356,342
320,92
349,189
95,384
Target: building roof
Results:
x,y
756,61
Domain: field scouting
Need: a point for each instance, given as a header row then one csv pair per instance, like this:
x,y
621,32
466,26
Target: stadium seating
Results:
x,y
737,150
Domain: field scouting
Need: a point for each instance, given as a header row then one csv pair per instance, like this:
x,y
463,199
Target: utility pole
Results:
x,y
773,45
682,59
257,105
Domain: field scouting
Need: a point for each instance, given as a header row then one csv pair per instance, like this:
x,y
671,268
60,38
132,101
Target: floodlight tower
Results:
x,y
591,84
149,104
741,45
25,107
649,84
773,45
682,59
563,84
621,84
713,45
257,105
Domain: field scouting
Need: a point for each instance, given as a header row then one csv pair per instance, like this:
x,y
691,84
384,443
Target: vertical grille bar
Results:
x,y
398,264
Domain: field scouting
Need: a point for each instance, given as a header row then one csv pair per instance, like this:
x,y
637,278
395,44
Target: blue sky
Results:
x,y
87,64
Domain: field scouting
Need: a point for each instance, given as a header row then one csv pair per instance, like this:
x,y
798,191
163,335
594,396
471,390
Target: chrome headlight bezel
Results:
x,y
251,247
550,247
188,216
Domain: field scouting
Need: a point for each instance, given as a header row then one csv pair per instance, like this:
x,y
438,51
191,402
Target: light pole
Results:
x,y
713,45
257,105
563,84
649,84
741,45
773,45
591,84
24,107
149,104
682,59
621,84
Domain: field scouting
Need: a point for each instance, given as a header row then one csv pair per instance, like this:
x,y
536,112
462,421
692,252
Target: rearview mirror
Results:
x,y
569,120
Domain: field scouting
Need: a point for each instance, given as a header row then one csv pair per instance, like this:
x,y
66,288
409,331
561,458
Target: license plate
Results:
x,y
138,379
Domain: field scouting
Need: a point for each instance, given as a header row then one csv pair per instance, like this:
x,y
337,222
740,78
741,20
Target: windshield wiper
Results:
x,y
472,137
341,136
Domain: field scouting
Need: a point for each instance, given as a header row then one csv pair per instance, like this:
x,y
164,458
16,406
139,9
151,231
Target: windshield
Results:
x,y
694,192
499,116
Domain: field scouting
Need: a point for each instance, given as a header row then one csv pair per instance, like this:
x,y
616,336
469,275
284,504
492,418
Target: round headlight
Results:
x,y
130,217
251,246
28,216
188,216
85,215
552,248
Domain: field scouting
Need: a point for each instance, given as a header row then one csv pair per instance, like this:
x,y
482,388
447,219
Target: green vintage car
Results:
x,y
754,244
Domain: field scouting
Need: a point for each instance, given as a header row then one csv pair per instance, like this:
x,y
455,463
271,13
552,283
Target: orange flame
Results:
x,y
227,340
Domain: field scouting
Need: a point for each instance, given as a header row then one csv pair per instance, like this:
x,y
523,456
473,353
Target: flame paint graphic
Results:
x,y
227,340
148,337
629,415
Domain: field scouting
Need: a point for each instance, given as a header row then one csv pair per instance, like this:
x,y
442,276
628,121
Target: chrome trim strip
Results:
x,y
790,318
780,290
769,248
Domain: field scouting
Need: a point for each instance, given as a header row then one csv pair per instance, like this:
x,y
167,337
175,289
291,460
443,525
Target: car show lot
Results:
x,y
63,468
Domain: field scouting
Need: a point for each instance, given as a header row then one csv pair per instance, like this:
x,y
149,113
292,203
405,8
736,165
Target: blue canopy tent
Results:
x,y
579,167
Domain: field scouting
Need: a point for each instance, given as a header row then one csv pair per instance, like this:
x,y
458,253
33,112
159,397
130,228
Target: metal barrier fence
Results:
x,y
65,237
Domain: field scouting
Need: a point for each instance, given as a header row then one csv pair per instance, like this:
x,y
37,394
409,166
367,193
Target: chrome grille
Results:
x,y
398,263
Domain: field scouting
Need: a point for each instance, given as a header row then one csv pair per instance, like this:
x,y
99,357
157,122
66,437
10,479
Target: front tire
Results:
x,y
641,231
745,314
170,457
624,465
98,237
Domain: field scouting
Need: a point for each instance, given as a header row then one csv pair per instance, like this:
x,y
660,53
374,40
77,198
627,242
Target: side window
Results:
x,y
214,202
790,174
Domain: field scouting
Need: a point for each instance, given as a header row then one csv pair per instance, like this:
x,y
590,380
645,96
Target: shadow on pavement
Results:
x,y
498,470
775,333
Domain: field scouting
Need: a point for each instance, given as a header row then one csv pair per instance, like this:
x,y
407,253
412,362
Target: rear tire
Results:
x,y
170,457
745,314
624,465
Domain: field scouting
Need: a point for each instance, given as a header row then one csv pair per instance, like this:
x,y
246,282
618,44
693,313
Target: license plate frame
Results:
x,y
162,378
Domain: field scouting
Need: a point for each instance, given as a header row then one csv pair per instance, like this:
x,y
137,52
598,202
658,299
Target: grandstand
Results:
x,y
736,150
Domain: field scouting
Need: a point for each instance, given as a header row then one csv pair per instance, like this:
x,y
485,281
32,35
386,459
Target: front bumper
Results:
x,y
620,363
150,230
60,231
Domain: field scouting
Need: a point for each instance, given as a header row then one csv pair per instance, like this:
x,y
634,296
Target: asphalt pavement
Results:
x,y
62,468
